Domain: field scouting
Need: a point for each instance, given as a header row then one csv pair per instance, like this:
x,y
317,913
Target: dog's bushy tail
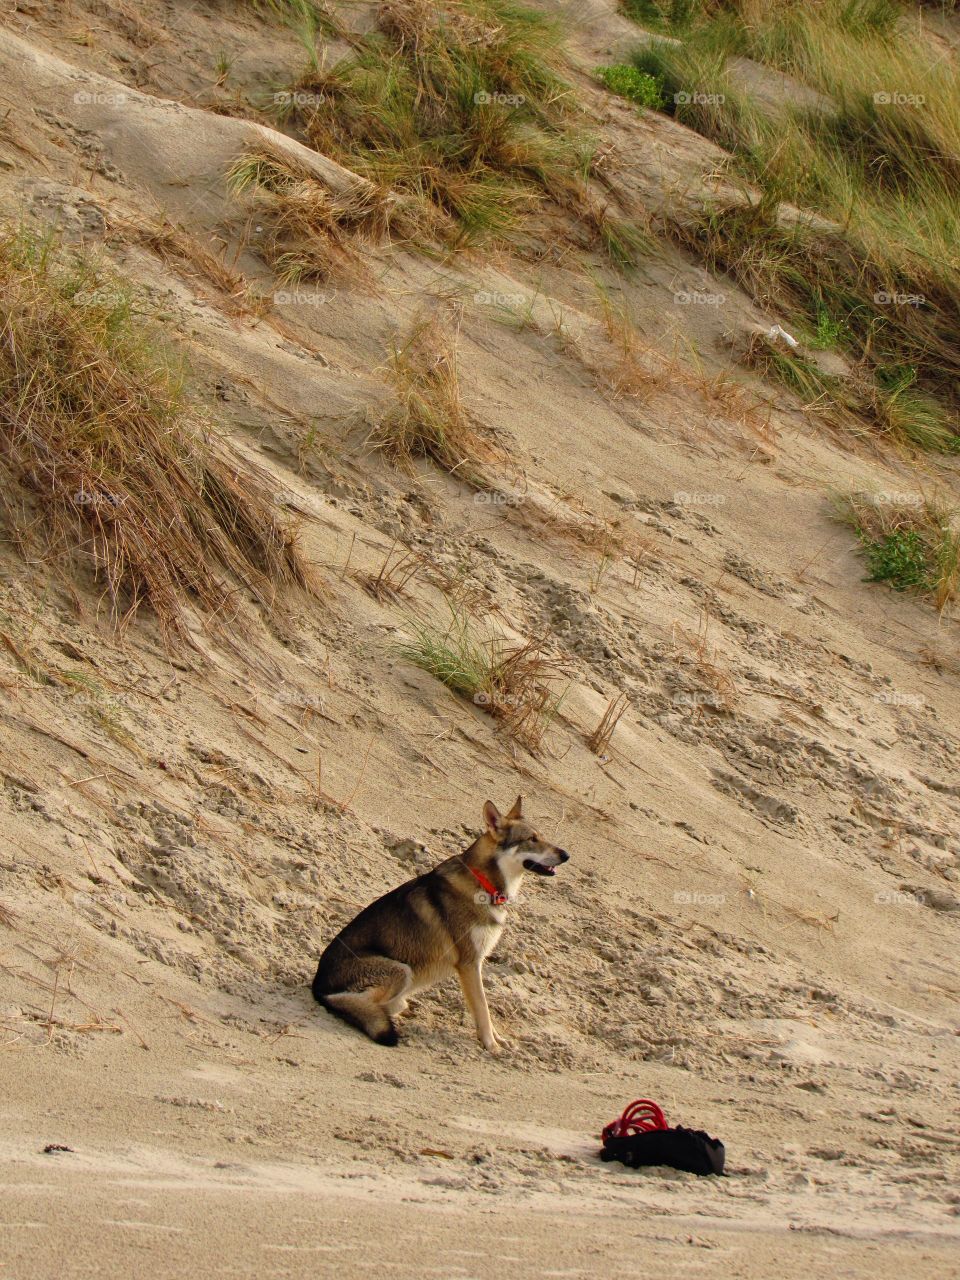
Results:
x,y
356,1008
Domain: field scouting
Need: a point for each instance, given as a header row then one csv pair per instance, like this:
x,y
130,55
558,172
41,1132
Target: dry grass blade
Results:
x,y
175,245
107,457
636,370
29,664
391,581
830,398
694,651
521,692
599,740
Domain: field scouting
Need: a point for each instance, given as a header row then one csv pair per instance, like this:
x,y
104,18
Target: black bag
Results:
x,y
691,1150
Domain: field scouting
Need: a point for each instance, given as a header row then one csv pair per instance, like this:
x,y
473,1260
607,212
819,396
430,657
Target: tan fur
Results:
x,y
434,926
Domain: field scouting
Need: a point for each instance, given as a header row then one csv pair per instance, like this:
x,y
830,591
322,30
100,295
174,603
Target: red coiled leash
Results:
x,y
642,1116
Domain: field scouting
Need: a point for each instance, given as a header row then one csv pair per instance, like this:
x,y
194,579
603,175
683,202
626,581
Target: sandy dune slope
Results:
x,y
758,926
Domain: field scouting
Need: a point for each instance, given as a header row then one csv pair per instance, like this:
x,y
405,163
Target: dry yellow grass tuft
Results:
x,y
176,246
312,230
105,459
512,682
429,418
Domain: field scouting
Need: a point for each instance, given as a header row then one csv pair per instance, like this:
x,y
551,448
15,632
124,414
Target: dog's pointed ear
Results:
x,y
515,813
491,816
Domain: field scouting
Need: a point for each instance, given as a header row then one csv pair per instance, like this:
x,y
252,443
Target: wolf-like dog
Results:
x,y
446,921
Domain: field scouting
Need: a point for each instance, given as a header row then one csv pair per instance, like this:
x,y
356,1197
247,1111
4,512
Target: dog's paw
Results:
x,y
496,1043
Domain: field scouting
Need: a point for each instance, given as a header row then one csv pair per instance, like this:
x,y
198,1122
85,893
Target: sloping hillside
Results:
x,y
556,434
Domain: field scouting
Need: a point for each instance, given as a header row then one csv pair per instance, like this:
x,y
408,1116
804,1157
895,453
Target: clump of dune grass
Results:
x,y
514,682
105,460
293,10
635,369
826,395
311,231
307,19
755,25
874,162
883,318
660,15
458,104
462,106
910,542
429,418
883,404
696,88
400,566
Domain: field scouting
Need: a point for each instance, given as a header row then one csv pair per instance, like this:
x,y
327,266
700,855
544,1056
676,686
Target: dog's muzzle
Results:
x,y
544,868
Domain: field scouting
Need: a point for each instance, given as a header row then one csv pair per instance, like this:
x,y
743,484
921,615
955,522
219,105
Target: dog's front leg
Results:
x,y
471,981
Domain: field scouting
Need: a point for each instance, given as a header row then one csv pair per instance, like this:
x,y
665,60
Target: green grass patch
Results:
x,y
899,558
670,16
828,333
909,542
630,82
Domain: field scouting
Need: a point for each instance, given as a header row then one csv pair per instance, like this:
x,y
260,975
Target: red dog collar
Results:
x,y
497,899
